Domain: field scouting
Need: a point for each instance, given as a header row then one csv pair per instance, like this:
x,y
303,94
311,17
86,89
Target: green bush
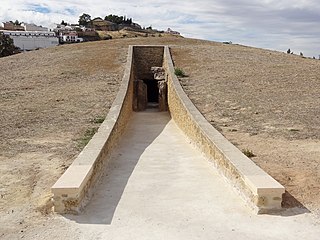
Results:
x,y
98,119
7,47
179,72
83,141
248,153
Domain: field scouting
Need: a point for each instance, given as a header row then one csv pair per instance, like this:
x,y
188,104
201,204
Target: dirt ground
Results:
x,y
264,101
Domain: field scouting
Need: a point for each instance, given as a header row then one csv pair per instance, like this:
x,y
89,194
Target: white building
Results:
x,y
70,37
31,40
170,31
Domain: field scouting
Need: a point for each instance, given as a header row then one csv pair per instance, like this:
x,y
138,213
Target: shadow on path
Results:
x,y
142,130
291,206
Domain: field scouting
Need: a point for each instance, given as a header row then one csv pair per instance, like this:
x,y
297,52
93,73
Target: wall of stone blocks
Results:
x,y
74,188
146,57
260,191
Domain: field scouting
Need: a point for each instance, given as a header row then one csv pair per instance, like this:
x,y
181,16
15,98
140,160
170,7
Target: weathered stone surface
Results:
x,y
140,100
146,57
157,69
158,73
259,190
73,190
72,198
163,101
159,76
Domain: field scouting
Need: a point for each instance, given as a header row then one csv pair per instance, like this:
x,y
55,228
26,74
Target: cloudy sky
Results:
x,y
272,24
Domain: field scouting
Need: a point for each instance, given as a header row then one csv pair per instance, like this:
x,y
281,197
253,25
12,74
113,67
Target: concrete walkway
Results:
x,y
158,186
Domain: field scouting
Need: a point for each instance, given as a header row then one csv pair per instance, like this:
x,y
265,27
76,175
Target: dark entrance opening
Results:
x,y
152,91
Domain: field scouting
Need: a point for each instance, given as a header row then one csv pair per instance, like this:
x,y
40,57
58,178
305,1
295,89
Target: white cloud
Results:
x,y
274,24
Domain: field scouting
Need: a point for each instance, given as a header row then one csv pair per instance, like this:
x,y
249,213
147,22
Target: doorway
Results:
x,y
152,91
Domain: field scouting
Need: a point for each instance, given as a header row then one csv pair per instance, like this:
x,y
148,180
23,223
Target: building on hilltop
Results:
x,y
136,25
11,26
34,27
69,37
132,26
102,25
170,31
74,33
29,36
32,40
62,27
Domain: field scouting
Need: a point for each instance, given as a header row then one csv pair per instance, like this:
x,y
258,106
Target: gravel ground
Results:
x,y
264,101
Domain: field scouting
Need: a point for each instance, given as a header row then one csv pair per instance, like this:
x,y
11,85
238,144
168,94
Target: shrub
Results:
x,y
83,141
248,153
179,72
7,47
98,119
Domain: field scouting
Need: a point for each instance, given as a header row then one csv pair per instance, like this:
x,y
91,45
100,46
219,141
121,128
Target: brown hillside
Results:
x,y
264,101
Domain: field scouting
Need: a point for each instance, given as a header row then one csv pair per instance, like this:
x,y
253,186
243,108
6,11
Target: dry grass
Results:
x,y
255,97
262,100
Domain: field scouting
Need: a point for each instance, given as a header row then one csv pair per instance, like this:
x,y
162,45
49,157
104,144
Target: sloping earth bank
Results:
x,y
265,102
50,99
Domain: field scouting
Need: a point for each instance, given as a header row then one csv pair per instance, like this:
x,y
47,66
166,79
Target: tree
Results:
x,y
84,20
17,23
114,18
7,47
118,19
63,23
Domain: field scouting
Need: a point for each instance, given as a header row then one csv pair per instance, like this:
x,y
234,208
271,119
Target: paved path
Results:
x,y
158,186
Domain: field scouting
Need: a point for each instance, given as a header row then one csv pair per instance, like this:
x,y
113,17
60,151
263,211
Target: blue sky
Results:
x,y
38,8
271,24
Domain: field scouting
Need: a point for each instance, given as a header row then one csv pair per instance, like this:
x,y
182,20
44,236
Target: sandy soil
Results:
x,y
48,100
263,101
260,100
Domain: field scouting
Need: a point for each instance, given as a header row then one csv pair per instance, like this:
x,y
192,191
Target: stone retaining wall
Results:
x,y
259,189
74,188
146,57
